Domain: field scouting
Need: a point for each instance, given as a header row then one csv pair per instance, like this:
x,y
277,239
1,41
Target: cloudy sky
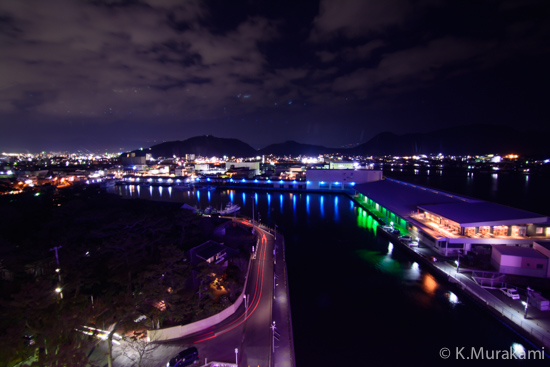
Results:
x,y
97,75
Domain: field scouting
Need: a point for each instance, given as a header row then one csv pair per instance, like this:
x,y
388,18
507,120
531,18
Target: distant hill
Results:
x,y
464,140
206,146
295,149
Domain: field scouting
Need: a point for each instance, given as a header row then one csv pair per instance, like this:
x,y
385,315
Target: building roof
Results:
x,y
518,251
545,244
483,213
403,198
208,249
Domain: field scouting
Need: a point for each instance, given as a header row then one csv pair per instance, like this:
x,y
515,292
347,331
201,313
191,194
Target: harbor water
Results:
x,y
355,298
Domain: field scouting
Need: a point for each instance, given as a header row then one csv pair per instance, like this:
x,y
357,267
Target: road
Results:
x,y
247,330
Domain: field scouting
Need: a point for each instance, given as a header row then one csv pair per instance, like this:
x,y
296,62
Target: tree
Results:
x,y
49,324
137,349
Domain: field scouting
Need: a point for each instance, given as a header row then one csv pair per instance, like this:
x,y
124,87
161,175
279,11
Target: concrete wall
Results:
x,y
184,330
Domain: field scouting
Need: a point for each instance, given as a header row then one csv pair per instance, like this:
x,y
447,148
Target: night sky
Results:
x,y
97,75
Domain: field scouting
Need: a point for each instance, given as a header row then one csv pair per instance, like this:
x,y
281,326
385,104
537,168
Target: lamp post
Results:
x,y
58,270
237,356
526,303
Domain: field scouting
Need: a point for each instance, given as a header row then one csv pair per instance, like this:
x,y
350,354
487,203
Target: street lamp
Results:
x,y
526,303
237,356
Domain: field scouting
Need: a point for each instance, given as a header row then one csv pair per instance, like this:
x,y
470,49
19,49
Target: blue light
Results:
x,y
208,179
308,182
322,183
231,180
160,179
281,181
197,179
243,180
294,181
352,184
256,181
337,183
268,181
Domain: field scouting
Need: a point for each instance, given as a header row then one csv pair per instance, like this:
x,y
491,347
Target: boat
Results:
x,y
230,208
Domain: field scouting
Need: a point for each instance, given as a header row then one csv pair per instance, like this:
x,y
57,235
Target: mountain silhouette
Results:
x,y
476,139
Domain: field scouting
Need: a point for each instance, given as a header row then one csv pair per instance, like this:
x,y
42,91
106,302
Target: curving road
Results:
x,y
247,330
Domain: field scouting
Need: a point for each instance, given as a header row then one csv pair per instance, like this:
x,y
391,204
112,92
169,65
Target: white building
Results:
x,y
519,261
252,166
340,179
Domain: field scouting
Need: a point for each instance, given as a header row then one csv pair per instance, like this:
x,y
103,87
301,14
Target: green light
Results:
x,y
37,194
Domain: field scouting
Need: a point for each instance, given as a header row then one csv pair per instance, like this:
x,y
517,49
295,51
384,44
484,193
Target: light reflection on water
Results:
x,y
337,243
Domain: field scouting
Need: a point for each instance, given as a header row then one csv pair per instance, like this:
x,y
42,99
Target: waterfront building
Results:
x,y
453,224
340,179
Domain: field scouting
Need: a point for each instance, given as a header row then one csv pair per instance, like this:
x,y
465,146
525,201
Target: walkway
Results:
x,y
536,328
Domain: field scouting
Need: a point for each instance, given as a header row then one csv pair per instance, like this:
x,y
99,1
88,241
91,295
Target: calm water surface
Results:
x,y
355,299
528,192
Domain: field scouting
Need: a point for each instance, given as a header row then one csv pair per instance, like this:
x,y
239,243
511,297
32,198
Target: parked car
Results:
x,y
395,231
510,292
405,238
413,243
387,228
184,358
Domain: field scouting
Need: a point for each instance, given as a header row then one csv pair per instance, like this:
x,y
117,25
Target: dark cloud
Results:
x,y
321,72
